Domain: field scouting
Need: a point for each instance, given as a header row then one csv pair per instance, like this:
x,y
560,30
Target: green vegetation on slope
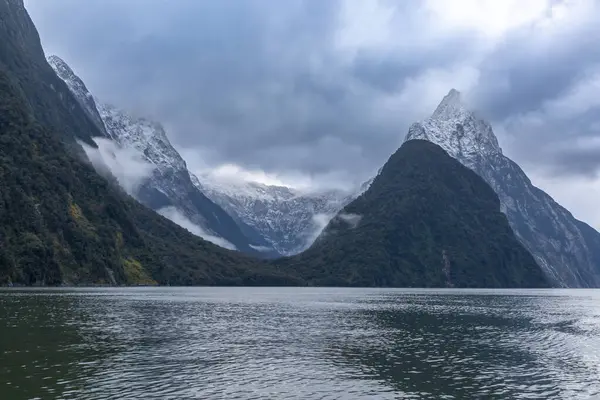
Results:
x,y
426,221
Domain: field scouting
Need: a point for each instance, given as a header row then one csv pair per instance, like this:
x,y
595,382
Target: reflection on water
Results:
x,y
252,343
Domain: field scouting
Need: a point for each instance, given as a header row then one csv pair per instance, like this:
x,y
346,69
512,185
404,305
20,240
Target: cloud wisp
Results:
x,y
180,219
127,165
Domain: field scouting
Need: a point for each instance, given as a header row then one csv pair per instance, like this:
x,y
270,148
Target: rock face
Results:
x,y
425,221
169,190
567,249
287,219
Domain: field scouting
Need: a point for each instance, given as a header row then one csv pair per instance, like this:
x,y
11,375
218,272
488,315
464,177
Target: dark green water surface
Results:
x,y
287,343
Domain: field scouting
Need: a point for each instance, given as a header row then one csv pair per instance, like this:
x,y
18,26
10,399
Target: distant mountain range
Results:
x,y
289,219
168,187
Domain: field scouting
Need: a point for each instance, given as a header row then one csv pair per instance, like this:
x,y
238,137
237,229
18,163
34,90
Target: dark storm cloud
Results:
x,y
388,71
530,67
564,146
542,71
264,84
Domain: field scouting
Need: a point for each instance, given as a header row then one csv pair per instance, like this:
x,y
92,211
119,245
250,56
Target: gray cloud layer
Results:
x,y
323,89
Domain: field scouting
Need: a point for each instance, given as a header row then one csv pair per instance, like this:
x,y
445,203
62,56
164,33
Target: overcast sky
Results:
x,y
320,92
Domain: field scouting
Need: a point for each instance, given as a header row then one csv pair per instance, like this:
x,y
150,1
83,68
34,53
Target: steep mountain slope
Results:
x,y
425,221
169,188
288,219
567,249
60,222
79,90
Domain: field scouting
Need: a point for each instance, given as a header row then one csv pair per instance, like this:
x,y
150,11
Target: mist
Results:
x,y
127,165
180,219
320,222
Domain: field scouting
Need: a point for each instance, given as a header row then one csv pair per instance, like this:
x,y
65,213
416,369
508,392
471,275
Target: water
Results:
x,y
272,343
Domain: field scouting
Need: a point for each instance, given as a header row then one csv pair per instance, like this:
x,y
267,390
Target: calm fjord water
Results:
x,y
272,343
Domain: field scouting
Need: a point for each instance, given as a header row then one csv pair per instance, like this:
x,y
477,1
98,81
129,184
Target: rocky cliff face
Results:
x,y
79,90
567,249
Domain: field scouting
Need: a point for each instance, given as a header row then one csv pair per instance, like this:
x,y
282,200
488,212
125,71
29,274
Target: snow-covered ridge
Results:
x,y
456,129
567,249
146,136
288,219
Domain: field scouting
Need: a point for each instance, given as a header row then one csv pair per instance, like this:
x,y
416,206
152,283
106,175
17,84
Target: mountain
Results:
x,y
567,249
425,221
61,222
289,220
168,188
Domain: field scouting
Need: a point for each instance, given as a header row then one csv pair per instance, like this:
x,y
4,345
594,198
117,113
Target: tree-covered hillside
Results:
x,y
426,221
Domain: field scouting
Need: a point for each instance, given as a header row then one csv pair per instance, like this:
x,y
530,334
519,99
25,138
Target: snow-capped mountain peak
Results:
x,y
457,129
567,249
450,104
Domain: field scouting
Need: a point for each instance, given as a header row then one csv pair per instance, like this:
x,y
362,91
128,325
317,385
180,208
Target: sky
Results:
x,y
318,94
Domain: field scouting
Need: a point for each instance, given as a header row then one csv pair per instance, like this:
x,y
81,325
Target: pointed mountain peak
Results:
x,y
451,106
457,129
453,97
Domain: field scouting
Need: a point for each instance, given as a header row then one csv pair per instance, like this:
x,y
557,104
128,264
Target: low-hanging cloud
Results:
x,y
318,223
321,221
127,165
180,219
